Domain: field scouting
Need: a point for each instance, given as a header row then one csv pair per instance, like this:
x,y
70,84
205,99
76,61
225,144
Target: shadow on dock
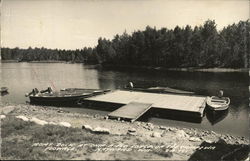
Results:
x,y
100,105
171,115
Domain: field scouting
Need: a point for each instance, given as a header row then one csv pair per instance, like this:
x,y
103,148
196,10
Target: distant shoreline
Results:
x,y
186,69
212,69
43,61
133,67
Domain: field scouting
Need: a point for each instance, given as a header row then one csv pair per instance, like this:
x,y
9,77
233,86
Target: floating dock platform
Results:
x,y
137,103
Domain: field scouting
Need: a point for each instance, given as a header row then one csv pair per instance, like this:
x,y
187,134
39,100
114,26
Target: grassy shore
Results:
x,y
25,139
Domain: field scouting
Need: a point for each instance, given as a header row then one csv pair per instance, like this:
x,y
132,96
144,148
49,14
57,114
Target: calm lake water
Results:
x,y
21,78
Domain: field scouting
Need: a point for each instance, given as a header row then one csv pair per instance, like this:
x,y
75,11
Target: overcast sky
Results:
x,y
71,24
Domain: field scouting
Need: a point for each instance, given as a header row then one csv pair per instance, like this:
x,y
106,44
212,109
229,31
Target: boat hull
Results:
x,y
55,101
218,109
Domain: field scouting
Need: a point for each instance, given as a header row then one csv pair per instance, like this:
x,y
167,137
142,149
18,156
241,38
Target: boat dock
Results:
x,y
133,104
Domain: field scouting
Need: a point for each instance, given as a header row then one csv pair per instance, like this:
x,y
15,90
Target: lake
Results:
x,y
21,78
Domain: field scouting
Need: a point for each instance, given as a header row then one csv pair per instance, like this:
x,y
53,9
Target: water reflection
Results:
x,y
216,116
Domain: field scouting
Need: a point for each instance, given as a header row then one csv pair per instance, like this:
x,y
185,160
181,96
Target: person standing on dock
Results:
x,y
220,94
131,85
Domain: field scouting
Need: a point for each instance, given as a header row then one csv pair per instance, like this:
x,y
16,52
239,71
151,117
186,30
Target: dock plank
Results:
x,y
131,111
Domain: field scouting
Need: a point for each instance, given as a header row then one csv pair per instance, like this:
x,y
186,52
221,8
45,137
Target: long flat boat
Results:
x,y
161,90
68,96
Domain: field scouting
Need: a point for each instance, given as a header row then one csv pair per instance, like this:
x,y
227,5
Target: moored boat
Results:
x,y
218,103
161,90
64,97
169,90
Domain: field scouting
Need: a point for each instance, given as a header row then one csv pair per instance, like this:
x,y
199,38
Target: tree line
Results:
x,y
85,55
201,46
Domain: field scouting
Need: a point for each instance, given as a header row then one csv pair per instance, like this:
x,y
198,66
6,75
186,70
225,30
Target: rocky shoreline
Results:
x,y
186,141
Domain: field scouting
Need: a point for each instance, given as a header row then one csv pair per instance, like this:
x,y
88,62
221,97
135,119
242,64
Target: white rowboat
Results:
x,y
218,103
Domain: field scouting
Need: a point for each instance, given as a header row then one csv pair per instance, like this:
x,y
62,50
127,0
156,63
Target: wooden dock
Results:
x,y
131,111
183,103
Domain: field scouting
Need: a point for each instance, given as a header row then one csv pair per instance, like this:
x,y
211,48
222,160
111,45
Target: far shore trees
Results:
x,y
202,46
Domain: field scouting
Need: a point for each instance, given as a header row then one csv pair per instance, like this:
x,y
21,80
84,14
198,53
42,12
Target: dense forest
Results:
x,y
202,46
